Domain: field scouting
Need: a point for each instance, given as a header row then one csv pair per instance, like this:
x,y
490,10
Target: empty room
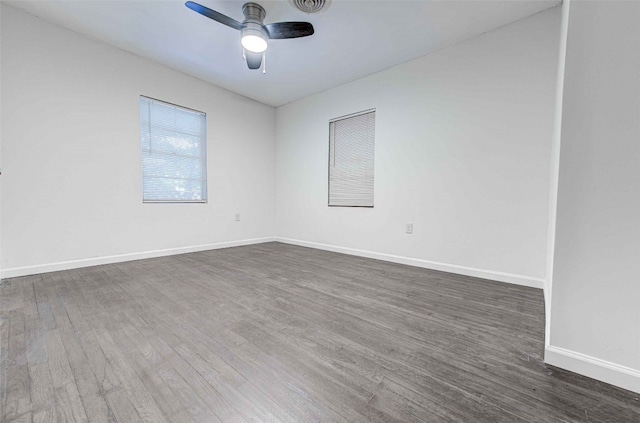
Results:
x,y
320,211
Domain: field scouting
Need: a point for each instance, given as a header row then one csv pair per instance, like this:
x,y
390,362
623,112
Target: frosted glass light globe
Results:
x,y
254,43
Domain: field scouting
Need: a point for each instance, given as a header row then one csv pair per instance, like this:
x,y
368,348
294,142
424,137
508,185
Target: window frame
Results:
x,y
203,159
331,121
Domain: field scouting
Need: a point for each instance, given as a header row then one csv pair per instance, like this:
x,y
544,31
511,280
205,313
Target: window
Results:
x,y
174,165
351,150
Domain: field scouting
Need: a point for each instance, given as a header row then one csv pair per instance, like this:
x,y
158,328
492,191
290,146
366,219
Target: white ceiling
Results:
x,y
352,38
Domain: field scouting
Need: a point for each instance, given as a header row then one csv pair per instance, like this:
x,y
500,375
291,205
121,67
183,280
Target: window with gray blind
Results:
x,y
351,151
174,166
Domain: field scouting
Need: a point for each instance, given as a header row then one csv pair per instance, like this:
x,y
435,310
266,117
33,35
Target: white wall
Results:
x,y
71,153
463,145
595,314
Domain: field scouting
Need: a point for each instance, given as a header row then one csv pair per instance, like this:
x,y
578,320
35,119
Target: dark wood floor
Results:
x,y
277,333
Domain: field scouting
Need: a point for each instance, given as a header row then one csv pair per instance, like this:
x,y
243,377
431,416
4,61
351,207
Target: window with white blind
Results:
x,y
174,165
351,153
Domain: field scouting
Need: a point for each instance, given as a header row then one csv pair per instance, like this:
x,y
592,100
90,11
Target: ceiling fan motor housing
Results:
x,y
253,12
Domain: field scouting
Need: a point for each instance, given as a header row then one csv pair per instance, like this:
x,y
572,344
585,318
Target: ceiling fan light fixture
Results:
x,y
254,43
254,39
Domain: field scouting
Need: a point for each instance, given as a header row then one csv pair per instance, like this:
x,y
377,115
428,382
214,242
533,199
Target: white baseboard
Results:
x,y
595,368
14,272
451,268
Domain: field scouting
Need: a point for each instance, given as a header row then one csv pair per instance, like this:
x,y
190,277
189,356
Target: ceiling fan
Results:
x,y
255,34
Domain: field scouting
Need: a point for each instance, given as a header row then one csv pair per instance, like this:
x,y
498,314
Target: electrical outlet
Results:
x,y
408,228
237,217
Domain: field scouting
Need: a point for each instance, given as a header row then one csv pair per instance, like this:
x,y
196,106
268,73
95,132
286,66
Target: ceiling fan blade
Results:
x,y
212,14
281,30
254,60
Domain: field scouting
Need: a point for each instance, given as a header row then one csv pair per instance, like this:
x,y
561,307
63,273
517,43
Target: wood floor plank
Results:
x,y
146,362
41,387
45,416
252,408
5,287
86,309
17,395
23,418
57,359
121,407
69,406
90,392
278,333
137,392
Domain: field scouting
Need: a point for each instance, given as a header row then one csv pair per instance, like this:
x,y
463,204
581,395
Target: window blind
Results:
x,y
351,156
173,142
